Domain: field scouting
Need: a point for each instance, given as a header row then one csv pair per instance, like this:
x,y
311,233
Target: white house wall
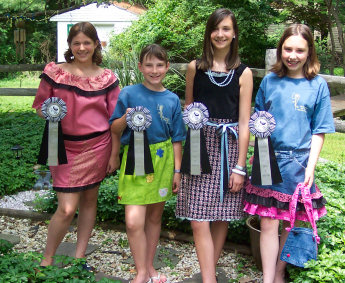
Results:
x,y
107,19
104,31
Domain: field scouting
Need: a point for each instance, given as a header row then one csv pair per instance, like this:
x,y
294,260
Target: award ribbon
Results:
x,y
195,159
139,156
52,151
265,167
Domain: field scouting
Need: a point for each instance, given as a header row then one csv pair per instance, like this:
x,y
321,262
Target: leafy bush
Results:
x,y
330,264
24,267
18,125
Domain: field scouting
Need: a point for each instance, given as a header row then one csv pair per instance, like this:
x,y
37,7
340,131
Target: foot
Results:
x,y
159,278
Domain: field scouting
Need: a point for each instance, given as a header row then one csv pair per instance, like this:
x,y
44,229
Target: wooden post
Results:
x,y
270,59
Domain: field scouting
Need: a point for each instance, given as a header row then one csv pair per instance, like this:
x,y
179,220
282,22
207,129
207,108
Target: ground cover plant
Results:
x,y
24,267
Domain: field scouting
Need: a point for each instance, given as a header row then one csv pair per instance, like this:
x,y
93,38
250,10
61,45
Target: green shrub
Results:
x,y
24,267
18,125
330,264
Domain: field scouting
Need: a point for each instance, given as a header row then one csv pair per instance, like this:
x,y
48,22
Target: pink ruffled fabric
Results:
x,y
281,214
267,193
59,75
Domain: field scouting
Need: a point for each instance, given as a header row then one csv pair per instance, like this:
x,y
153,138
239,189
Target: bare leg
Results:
x,y
219,230
152,230
269,247
205,250
86,219
281,265
135,225
62,218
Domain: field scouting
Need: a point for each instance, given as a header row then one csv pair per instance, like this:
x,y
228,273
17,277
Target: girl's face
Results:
x,y
295,52
154,71
82,48
223,34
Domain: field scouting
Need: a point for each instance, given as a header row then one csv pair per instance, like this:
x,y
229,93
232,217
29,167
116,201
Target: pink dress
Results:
x,y
90,102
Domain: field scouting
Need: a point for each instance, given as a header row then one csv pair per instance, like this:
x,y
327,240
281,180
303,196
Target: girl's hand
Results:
x,y
176,183
308,177
113,164
236,182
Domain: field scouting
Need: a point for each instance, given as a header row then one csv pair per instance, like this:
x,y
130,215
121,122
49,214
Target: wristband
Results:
x,y
239,172
177,171
240,168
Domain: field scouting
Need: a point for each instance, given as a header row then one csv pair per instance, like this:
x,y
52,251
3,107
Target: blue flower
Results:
x,y
160,152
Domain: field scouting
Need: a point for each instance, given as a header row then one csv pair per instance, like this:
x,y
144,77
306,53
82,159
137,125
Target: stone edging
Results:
x,y
172,235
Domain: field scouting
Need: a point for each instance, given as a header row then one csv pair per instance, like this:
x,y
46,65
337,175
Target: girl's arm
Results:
x,y
315,149
177,146
246,88
191,69
116,128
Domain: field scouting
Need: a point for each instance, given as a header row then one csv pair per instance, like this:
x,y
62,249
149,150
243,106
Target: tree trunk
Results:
x,y
333,53
339,25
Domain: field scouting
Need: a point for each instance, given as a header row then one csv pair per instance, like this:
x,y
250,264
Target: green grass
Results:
x,y
25,80
334,148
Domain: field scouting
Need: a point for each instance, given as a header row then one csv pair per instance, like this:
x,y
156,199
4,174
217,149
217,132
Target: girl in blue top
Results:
x,y
299,100
144,196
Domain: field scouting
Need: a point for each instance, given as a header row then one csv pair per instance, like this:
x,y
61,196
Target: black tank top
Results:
x,y
221,102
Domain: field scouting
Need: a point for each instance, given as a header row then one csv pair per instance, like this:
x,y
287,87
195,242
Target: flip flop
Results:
x,y
158,277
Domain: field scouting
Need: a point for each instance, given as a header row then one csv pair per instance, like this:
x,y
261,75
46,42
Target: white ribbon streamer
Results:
x,y
264,158
53,137
195,167
139,165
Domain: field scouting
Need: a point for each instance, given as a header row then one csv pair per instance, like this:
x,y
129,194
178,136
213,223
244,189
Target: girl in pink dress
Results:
x,y
90,94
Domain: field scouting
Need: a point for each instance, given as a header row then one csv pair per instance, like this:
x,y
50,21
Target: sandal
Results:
x,y
88,267
158,277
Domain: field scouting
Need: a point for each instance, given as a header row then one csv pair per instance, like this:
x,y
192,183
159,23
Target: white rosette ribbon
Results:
x,y
195,116
262,125
54,109
139,119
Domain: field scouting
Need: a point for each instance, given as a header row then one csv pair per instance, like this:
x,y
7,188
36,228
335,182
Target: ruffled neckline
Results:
x,y
60,76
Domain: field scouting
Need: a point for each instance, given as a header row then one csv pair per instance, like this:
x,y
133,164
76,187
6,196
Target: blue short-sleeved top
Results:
x,y
300,107
165,110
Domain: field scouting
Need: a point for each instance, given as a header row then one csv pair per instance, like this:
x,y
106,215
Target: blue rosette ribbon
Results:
x,y
52,150
265,170
195,159
139,159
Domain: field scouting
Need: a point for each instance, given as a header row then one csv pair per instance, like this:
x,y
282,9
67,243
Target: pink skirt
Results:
x,y
276,212
87,164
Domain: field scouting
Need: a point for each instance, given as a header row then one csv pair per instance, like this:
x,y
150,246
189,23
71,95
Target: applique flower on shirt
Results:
x,y
160,152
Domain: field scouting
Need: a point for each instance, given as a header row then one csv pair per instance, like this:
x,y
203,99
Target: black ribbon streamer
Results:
x,y
275,172
130,163
204,161
43,154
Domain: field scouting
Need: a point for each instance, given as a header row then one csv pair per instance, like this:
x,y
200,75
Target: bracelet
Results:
x,y
177,171
240,168
239,172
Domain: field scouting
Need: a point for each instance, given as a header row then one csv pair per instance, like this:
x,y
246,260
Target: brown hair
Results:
x,y
89,30
153,50
232,59
312,66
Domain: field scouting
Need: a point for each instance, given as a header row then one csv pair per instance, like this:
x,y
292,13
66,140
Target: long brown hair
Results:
x,y
232,59
312,66
89,30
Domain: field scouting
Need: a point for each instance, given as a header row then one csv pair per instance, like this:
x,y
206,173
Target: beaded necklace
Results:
x,y
226,81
